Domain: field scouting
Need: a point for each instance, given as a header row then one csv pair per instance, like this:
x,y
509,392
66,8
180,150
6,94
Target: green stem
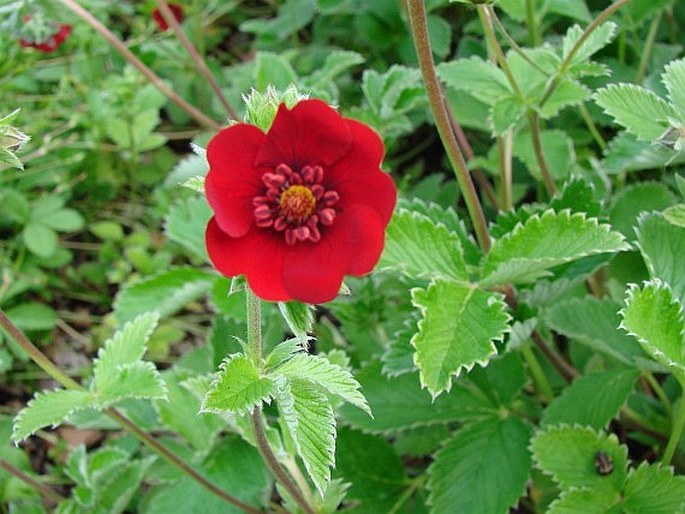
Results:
x,y
677,424
505,145
47,493
46,365
592,127
536,372
565,369
512,43
534,122
417,18
154,79
253,307
659,391
533,34
647,49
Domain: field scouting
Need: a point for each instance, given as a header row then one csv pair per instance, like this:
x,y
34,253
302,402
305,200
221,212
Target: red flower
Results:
x,y
161,22
298,208
52,43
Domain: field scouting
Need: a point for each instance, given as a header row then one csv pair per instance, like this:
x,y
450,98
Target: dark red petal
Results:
x,y
233,180
364,231
357,177
258,255
311,133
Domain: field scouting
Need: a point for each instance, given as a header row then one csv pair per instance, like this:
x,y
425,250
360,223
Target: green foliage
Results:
x,y
185,225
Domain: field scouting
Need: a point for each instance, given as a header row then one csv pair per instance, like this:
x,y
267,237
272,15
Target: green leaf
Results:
x,y
308,415
567,93
480,78
400,403
40,239
64,220
571,8
580,404
48,408
652,489
506,112
273,70
597,40
282,352
249,482
585,501
420,247
483,468
640,111
676,215
336,63
299,317
135,380
164,293
332,378
674,79
627,154
185,224
663,245
542,242
458,329
631,201
292,16
655,318
238,387
569,453
398,357
107,230
32,316
558,149
191,166
594,323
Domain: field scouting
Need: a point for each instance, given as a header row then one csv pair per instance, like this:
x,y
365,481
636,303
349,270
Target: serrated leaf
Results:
x,y
185,224
458,328
628,154
238,387
662,245
675,215
419,247
567,93
48,408
480,78
299,317
584,501
570,8
398,357
594,323
674,80
505,113
127,346
164,293
543,242
631,201
483,468
569,453
136,380
283,351
652,489
557,147
639,110
187,168
335,63
655,318
597,40
308,415
579,403
400,403
325,375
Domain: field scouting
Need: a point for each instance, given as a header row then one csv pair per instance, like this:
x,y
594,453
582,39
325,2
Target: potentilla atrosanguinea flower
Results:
x,y
52,43
298,208
161,22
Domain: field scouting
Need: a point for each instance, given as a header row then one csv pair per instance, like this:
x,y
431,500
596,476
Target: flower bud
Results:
x,y
261,108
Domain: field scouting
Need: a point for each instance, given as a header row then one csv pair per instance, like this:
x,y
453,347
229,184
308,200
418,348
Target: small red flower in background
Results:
x,y
298,208
161,22
52,43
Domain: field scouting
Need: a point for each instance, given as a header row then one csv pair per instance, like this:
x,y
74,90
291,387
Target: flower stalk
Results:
x,y
419,28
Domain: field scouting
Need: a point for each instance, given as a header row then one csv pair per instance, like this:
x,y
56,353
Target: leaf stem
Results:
x,y
677,424
253,307
49,367
419,28
567,371
536,372
154,79
505,144
603,16
533,35
48,493
197,59
592,127
658,391
534,122
647,49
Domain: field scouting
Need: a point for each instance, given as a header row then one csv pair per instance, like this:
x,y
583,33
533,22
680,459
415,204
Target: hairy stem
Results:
x,y
50,495
254,343
49,367
197,59
154,79
419,28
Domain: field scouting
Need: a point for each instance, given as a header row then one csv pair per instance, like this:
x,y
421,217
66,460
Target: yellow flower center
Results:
x,y
297,203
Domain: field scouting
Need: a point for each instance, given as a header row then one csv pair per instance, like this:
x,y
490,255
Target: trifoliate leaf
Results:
x,y
400,403
238,387
419,247
458,328
569,454
654,316
662,245
48,409
526,253
483,468
580,404
652,489
321,373
185,224
164,293
308,416
640,111
482,79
